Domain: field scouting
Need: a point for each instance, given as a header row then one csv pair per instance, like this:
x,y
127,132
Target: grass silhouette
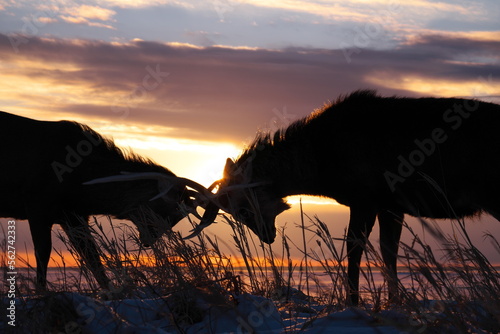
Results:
x,y
452,290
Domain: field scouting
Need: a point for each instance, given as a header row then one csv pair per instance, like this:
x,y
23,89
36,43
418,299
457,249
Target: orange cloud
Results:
x,y
85,14
82,20
92,12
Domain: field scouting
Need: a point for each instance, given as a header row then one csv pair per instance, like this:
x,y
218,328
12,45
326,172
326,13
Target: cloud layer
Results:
x,y
266,24
222,93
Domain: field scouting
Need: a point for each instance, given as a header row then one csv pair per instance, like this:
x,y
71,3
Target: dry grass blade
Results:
x,y
454,289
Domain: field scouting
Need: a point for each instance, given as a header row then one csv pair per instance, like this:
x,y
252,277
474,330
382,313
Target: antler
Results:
x,y
208,219
166,181
243,179
213,207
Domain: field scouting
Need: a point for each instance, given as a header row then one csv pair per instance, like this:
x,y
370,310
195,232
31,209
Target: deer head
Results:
x,y
162,208
251,202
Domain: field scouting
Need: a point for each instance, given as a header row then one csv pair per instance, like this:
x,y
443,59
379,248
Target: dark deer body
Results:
x,y
42,174
381,156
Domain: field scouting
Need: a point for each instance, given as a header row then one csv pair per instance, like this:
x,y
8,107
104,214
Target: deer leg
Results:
x,y
360,225
79,235
42,242
391,224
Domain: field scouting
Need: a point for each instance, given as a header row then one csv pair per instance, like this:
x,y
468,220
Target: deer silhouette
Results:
x,y
380,156
63,172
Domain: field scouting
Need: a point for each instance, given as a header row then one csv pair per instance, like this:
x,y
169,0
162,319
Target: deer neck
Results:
x,y
289,168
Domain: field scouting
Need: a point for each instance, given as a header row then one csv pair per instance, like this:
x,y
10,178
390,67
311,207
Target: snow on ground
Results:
x,y
246,314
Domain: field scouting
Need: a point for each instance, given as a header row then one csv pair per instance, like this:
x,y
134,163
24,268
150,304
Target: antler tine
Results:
x,y
163,192
126,176
195,213
198,187
212,208
190,210
208,219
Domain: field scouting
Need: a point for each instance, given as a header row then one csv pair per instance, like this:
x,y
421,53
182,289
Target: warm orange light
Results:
x,y
435,87
202,161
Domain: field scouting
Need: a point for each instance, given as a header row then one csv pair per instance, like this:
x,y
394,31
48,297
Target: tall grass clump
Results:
x,y
457,291
454,289
176,271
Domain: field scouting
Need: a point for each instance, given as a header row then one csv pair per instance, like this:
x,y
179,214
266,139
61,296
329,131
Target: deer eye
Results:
x,y
244,214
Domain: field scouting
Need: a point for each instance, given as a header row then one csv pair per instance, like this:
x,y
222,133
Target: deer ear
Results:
x,y
229,168
239,174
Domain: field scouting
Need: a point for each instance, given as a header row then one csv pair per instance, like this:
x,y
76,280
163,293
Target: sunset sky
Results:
x,y
189,83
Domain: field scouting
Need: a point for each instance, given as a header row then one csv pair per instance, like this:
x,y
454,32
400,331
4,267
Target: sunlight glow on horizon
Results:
x,y
314,200
201,161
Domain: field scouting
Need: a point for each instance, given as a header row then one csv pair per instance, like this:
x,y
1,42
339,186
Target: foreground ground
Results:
x,y
183,286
